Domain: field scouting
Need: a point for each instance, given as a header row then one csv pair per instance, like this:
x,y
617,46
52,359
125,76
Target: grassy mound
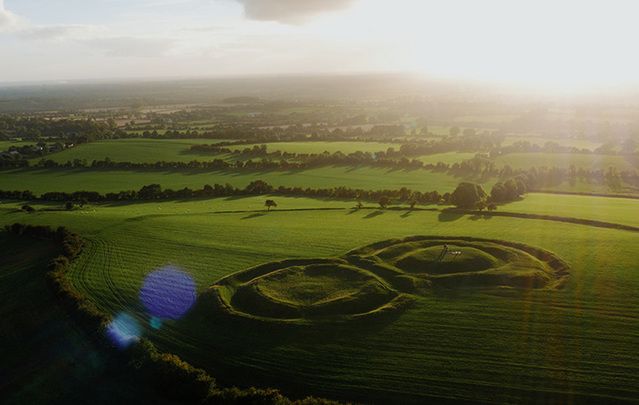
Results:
x,y
299,290
468,262
428,260
378,278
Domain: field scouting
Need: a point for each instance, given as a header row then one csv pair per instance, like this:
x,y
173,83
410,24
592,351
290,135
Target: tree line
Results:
x,y
75,130
257,187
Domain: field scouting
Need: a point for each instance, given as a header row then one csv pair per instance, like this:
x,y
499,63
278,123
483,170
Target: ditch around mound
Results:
x,y
382,278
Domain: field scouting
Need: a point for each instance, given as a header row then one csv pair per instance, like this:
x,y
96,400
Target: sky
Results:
x,y
535,43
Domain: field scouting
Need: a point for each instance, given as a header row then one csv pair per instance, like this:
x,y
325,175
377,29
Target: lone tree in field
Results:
x,y
412,204
28,209
359,205
467,195
384,202
269,204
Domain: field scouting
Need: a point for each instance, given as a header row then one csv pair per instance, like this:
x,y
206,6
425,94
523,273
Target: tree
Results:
x,y
259,187
384,202
68,206
270,203
492,207
481,205
28,209
152,191
359,205
510,190
467,195
412,204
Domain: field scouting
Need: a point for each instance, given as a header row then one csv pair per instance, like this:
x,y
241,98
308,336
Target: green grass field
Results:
x,y
4,145
616,210
326,177
448,158
177,150
598,188
135,150
586,161
495,344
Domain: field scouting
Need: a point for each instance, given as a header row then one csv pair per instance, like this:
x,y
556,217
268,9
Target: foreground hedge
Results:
x,y
170,375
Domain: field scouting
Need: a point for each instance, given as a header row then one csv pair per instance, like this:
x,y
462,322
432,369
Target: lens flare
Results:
x,y
156,323
123,331
167,293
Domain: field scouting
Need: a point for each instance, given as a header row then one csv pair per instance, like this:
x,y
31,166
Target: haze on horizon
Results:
x,y
565,45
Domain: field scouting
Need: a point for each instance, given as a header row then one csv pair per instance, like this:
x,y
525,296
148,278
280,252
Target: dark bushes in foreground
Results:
x,y
170,375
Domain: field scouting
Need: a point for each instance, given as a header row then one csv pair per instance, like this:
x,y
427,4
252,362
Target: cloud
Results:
x,y
57,32
8,20
122,47
95,37
290,11
16,25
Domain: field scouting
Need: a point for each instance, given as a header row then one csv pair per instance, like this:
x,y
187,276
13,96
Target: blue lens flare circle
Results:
x,y
123,331
168,293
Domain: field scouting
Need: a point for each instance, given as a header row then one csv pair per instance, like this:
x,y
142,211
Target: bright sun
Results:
x,y
564,44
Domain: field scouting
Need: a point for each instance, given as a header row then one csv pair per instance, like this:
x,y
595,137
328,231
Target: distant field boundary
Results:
x,y
586,194
578,221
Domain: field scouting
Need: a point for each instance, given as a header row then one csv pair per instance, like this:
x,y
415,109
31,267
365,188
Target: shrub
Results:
x,y
467,195
172,376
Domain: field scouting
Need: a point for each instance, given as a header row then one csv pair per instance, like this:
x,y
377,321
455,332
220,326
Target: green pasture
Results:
x,y
483,344
364,177
448,157
135,150
4,145
590,187
607,209
565,160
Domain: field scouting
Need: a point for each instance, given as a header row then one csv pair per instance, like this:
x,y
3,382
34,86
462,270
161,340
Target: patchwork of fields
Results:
x,y
494,344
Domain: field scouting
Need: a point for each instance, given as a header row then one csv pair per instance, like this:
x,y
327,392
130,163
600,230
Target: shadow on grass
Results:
x,y
477,217
254,215
449,215
374,214
232,333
